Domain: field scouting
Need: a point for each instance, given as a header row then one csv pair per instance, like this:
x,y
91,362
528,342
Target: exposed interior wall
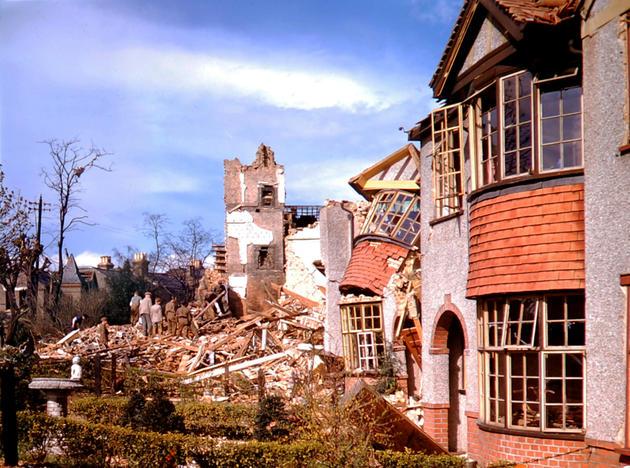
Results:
x,y
302,250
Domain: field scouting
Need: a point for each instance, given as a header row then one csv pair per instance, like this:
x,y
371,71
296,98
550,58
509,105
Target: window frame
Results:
x,y
383,205
448,187
497,391
476,107
359,321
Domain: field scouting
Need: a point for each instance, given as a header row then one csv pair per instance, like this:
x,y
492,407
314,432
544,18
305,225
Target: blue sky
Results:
x,y
172,88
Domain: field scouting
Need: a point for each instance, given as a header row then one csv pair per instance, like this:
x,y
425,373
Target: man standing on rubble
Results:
x,y
134,304
184,321
156,318
103,332
171,316
145,313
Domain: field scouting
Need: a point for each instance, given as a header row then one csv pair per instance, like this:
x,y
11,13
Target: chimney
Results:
x,y
140,265
106,263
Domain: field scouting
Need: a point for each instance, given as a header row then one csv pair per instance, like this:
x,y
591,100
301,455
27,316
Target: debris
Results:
x,y
271,348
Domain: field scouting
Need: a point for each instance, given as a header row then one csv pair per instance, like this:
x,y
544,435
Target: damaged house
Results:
x,y
525,236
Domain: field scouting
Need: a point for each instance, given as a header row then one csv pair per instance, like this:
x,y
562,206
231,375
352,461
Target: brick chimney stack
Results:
x,y
106,263
140,264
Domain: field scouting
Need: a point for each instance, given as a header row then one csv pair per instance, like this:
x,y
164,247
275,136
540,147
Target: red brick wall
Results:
x,y
527,241
532,451
436,422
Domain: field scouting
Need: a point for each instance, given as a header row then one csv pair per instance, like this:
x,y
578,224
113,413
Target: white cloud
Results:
x,y
170,183
87,258
280,86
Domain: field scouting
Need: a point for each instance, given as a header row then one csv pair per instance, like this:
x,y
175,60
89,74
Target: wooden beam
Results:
x,y
234,367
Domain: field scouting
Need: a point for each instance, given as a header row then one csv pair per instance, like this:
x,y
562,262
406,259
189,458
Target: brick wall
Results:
x,y
527,241
532,451
436,422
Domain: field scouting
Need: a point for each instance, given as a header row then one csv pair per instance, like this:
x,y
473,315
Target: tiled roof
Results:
x,y
539,11
520,11
528,241
71,274
371,266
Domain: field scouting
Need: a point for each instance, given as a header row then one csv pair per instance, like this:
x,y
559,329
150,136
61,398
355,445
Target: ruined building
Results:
x,y
254,226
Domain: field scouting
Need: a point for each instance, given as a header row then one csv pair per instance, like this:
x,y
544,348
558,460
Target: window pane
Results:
x,y
573,154
510,163
509,88
574,365
510,113
554,417
510,139
552,158
575,417
576,334
554,391
524,110
550,103
571,100
555,334
572,127
575,307
555,308
553,365
575,389
525,161
524,84
533,415
525,136
551,130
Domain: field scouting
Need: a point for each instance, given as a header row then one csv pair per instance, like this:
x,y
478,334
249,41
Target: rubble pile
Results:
x,y
275,349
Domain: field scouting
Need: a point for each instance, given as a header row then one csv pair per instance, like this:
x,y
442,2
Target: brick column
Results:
x,y
436,421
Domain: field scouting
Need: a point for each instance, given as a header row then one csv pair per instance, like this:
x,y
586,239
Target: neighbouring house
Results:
x,y
373,266
525,237
265,239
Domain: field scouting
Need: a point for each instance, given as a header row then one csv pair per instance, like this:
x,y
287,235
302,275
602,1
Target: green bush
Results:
x,y
271,419
391,459
218,419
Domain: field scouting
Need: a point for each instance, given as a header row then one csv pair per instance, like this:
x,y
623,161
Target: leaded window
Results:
x,y
362,333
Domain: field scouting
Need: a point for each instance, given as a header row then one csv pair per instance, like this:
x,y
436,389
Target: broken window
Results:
x,y
532,362
448,159
526,125
264,258
395,214
363,339
267,195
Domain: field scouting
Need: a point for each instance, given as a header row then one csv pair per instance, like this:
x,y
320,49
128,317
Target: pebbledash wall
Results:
x,y
444,264
607,223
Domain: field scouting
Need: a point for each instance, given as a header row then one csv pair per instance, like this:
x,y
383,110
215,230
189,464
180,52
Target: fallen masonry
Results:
x,y
274,351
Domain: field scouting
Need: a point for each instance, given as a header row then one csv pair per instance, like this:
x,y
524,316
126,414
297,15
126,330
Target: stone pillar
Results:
x,y
57,404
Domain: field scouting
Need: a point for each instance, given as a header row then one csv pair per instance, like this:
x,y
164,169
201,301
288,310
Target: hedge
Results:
x,y
218,419
66,442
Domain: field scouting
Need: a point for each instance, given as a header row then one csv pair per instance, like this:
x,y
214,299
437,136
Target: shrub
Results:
x,y
271,419
391,459
101,410
218,419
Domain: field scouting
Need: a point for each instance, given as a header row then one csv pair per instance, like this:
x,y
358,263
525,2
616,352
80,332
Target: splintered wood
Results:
x,y
276,347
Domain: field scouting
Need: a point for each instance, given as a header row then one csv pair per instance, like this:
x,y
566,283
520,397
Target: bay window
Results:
x,y
525,125
532,362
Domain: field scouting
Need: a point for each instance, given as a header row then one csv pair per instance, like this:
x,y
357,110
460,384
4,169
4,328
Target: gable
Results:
x,y
488,39
399,170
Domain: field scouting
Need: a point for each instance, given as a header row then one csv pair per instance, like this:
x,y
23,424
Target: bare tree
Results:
x,y
19,252
69,162
154,228
193,243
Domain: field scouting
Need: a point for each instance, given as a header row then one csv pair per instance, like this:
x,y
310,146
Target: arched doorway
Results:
x,y
450,338
455,345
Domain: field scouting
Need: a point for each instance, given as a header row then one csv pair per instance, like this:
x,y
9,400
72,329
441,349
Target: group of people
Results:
x,y
176,316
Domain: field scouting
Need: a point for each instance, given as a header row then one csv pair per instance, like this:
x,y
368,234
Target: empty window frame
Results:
x,y
448,159
527,126
395,214
529,382
363,338
267,195
264,258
